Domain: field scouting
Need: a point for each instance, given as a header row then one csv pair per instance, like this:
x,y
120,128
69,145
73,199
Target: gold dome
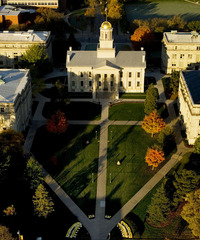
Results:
x,y
106,25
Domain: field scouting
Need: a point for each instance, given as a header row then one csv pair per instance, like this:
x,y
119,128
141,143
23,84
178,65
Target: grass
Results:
x,y
78,20
127,111
74,110
75,161
162,9
128,145
132,95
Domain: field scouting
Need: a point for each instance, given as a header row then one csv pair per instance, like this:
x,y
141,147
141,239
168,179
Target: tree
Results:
x,y
115,9
154,157
166,139
57,123
174,82
150,103
62,92
191,211
185,182
142,37
153,123
10,211
158,210
5,234
43,204
176,22
92,4
194,25
197,146
34,173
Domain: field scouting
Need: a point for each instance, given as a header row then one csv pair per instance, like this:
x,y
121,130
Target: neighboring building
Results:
x,y
34,3
106,70
14,44
15,99
180,51
12,15
189,103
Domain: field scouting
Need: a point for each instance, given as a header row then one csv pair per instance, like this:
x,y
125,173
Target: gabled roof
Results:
x,y
106,63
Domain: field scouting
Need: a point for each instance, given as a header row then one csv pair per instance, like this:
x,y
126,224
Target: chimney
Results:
x,y
70,48
68,57
142,49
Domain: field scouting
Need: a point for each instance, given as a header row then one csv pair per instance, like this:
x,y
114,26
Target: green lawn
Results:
x,y
74,110
132,95
128,145
77,161
127,111
162,9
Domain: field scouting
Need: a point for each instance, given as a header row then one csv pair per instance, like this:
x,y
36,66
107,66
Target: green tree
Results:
x,y
176,22
158,210
34,173
150,103
191,211
5,234
115,9
185,182
194,25
4,166
166,139
197,146
43,204
174,82
62,92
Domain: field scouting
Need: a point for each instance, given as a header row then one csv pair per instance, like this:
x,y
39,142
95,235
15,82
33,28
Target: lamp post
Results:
x,y
18,233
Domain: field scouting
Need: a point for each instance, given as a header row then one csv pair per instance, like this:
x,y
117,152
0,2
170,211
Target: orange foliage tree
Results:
x,y
154,157
57,123
141,37
153,123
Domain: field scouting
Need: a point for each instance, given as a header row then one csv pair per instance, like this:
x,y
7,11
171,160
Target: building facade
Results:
x,y
105,70
33,3
189,103
180,51
15,99
14,44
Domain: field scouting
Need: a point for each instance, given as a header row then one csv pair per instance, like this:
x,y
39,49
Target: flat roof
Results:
x,y
24,36
182,37
13,11
192,79
122,59
12,82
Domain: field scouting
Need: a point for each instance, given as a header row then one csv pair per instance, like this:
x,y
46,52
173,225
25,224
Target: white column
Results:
x,y
94,86
69,81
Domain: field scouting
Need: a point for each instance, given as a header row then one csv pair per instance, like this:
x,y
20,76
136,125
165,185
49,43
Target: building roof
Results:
x,y
13,11
106,25
123,59
192,79
12,82
23,36
182,37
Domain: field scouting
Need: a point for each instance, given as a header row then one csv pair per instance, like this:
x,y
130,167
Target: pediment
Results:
x,y
106,65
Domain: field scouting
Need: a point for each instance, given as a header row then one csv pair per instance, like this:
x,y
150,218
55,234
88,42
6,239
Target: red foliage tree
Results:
x,y
154,157
57,123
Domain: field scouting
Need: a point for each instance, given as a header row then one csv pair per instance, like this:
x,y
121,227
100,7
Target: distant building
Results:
x,y
189,103
34,3
15,99
180,51
14,44
106,70
12,15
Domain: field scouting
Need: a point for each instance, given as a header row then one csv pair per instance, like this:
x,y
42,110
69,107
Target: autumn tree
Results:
x,y
5,234
190,212
150,103
154,157
57,123
115,9
10,211
158,210
33,173
185,182
92,4
142,37
176,22
43,204
153,123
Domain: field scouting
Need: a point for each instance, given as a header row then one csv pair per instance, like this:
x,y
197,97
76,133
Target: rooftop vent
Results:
x,y
1,80
194,34
173,31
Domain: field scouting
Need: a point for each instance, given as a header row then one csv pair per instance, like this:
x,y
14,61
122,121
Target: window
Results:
x,y
73,83
138,83
90,83
105,76
175,47
99,83
2,110
181,55
81,83
81,74
129,74
198,47
111,83
121,84
129,83
138,74
189,56
112,76
173,64
174,56
121,74
89,74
